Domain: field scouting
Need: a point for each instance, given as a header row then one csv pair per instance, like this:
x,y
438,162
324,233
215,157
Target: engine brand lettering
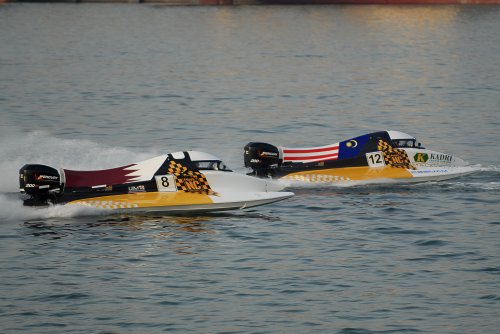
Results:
x,y
30,185
47,177
268,154
255,160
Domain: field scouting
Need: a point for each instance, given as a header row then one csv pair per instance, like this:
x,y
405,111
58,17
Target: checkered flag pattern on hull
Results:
x,y
394,157
188,180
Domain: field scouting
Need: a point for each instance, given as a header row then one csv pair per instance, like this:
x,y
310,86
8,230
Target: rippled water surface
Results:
x,y
87,86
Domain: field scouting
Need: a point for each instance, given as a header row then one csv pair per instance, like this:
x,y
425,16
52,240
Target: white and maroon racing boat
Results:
x,y
379,157
187,181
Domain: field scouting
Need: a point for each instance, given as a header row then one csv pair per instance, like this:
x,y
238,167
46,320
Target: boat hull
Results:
x,y
379,157
182,202
187,181
370,175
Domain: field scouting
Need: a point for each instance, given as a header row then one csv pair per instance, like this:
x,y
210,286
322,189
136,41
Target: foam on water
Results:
x,y
13,209
40,147
495,169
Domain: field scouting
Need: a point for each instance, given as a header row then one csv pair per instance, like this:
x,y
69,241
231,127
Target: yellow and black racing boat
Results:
x,y
378,157
178,182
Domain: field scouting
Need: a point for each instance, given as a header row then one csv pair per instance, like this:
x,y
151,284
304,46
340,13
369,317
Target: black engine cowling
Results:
x,y
262,158
39,184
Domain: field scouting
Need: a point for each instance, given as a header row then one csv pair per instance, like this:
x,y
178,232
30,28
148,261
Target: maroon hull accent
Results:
x,y
75,178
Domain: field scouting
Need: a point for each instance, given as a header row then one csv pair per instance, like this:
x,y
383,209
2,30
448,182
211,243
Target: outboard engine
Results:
x,y
39,184
262,158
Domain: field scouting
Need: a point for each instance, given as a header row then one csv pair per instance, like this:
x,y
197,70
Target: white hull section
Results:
x,y
239,183
426,175
439,173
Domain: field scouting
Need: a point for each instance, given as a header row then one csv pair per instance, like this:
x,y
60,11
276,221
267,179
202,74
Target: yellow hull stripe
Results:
x,y
145,200
350,174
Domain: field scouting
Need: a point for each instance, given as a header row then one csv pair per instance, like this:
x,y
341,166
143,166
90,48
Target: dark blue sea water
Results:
x,y
86,86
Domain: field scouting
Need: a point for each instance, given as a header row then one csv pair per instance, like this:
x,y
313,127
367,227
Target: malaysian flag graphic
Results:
x,y
312,154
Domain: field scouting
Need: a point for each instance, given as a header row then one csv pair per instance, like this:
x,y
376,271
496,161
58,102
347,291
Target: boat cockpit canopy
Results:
x,y
411,143
212,165
404,140
206,161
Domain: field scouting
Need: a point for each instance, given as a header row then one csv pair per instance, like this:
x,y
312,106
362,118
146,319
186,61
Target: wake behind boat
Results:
x,y
177,182
379,157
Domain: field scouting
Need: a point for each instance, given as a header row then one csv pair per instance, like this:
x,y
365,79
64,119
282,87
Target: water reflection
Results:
x,y
156,226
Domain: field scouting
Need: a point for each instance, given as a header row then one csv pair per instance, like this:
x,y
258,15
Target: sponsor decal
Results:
x,y
137,189
317,178
190,184
432,158
394,157
421,157
429,171
440,157
108,188
189,180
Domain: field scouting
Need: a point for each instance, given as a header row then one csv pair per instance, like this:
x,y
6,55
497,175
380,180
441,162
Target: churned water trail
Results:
x,y
11,208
